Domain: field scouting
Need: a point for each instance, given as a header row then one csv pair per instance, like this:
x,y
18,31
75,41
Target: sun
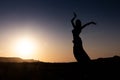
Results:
x,y
25,48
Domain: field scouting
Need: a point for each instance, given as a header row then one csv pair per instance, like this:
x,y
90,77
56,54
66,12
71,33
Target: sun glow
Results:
x,y
25,48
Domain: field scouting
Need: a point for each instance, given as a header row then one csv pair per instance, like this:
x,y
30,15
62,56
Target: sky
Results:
x,y
47,24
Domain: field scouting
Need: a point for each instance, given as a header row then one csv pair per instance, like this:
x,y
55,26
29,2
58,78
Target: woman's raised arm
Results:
x,y
72,20
88,24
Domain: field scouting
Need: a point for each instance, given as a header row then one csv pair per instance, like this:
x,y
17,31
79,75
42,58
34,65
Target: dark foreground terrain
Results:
x,y
99,69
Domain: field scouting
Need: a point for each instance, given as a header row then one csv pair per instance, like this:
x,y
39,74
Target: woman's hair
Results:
x,y
78,22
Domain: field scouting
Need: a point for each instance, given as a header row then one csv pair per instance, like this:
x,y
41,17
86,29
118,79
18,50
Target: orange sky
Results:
x,y
47,24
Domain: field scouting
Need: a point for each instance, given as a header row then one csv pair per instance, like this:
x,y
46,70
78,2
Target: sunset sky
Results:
x,y
45,26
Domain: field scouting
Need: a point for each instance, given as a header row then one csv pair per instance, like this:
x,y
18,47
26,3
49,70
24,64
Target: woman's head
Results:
x,y
78,22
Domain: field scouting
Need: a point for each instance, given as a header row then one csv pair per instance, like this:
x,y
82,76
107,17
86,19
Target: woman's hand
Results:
x,y
74,15
93,23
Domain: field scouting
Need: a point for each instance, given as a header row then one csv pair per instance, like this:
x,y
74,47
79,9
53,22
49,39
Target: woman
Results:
x,y
79,53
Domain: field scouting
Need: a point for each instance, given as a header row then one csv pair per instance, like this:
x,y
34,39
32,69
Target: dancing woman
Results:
x,y
78,50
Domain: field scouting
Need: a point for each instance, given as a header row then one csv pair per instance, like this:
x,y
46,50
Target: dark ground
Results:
x,y
100,69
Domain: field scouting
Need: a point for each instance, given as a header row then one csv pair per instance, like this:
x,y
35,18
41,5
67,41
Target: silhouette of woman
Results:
x,y
78,51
